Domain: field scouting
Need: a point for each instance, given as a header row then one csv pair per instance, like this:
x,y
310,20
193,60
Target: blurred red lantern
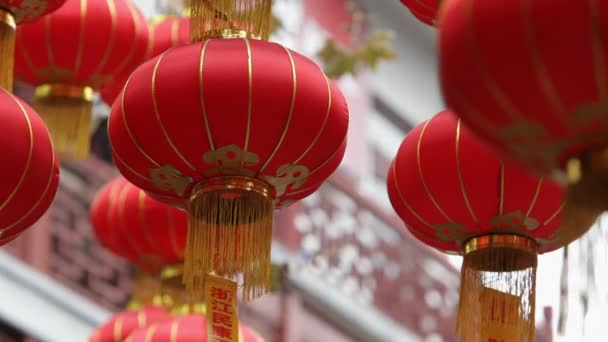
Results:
x,y
185,329
30,172
80,47
530,78
456,195
230,128
131,224
425,10
121,325
13,12
165,34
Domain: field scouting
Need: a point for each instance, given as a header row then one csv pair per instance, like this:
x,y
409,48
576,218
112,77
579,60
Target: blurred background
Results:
x,y
350,271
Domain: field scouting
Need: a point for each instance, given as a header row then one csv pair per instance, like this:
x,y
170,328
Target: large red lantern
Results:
x,y
131,224
457,195
530,78
30,169
121,325
425,10
165,34
79,48
13,12
231,129
185,329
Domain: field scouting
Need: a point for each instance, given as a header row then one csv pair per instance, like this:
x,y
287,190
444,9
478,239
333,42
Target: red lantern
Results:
x,y
456,195
131,224
30,172
80,47
13,12
534,89
167,33
121,325
230,128
425,10
185,329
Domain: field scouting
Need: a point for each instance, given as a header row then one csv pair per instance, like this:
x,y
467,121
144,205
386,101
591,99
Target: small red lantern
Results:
x,y
79,48
456,195
121,325
131,224
13,12
165,34
231,129
530,78
425,10
185,329
30,172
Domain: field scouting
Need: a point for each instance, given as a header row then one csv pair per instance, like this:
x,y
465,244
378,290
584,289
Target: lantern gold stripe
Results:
x,y
118,329
407,205
29,155
47,41
157,113
137,25
552,217
249,94
83,15
122,198
290,115
322,128
499,96
538,187
128,129
141,207
421,174
174,330
501,204
202,94
459,172
542,76
110,46
597,46
150,333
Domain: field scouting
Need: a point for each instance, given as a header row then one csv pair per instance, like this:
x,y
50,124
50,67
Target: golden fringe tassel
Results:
x,y
7,49
145,288
174,297
66,111
230,18
230,234
497,294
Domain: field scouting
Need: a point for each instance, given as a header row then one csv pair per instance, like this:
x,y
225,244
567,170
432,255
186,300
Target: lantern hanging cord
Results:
x,y
230,19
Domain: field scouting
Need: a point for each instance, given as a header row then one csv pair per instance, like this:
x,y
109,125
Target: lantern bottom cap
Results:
x,y
511,241
236,183
84,93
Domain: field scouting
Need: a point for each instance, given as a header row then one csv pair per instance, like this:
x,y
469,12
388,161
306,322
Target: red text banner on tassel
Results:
x,y
222,309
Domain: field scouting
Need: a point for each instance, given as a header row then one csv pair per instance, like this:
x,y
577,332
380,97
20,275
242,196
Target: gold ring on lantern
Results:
x,y
7,49
500,240
232,183
523,251
7,18
65,90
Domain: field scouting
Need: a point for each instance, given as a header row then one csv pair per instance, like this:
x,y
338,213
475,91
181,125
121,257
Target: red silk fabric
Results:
x,y
274,116
425,10
133,225
448,187
121,325
185,329
530,77
28,10
30,168
162,36
84,43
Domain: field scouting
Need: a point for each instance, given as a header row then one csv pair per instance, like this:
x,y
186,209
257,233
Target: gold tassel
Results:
x,y
230,234
497,289
66,111
229,19
174,297
145,288
7,49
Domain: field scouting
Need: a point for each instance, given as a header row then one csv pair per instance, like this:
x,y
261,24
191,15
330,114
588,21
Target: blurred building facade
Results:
x,y
354,273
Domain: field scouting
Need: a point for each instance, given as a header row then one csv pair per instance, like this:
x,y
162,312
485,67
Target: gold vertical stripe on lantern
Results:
x,y
7,49
66,111
497,289
230,234
214,18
